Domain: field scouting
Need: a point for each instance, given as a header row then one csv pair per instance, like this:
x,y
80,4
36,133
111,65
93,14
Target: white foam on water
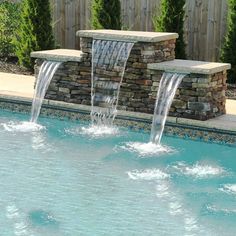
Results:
x,y
147,149
39,142
24,127
229,188
199,170
95,131
148,174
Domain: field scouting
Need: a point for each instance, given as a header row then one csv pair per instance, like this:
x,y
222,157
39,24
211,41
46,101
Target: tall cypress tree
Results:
x,y
228,52
106,14
35,30
171,19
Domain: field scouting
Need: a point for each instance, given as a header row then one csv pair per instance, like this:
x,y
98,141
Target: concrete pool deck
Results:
x,y
21,88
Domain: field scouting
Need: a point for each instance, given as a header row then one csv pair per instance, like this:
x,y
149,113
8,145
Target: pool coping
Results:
x,y
206,126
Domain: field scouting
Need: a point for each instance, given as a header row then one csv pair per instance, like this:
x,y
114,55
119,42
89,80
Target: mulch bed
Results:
x,y
11,66
231,91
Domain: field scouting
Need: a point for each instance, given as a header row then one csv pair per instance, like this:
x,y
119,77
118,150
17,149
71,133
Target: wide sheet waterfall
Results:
x,y
109,60
165,95
46,72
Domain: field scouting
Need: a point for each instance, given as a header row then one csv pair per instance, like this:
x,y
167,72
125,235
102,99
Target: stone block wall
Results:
x,y
199,96
72,81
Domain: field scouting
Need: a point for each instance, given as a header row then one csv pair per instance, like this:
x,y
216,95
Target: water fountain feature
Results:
x,y
109,60
153,54
165,95
46,72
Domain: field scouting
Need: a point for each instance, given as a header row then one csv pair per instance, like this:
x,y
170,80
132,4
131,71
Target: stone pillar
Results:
x,y
201,95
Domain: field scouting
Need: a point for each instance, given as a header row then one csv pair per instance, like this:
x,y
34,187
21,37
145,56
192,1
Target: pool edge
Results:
x,y
183,128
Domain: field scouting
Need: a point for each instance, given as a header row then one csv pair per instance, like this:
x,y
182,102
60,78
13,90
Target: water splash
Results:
x,y
24,127
199,170
109,60
96,131
148,149
165,95
46,72
148,174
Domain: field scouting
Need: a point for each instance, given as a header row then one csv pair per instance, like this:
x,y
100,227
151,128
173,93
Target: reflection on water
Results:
x,y
95,131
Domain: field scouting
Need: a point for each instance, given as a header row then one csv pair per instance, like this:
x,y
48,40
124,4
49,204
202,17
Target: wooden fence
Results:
x,y
205,23
205,28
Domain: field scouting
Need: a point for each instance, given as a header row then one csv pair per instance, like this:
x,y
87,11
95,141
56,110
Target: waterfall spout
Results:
x,y
46,72
165,95
109,60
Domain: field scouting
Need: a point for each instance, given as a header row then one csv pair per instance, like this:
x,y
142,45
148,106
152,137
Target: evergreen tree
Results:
x,y
35,30
228,52
171,19
106,14
9,21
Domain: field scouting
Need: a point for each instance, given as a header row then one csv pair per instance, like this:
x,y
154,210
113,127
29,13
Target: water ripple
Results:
x,y
94,131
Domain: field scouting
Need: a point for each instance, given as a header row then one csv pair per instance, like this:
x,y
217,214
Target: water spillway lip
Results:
x,y
118,40
133,36
189,66
59,55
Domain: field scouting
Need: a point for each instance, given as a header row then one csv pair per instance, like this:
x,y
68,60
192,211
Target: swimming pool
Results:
x,y
56,180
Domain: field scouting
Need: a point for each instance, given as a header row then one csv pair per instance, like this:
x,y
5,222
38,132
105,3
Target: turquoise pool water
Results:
x,y
58,181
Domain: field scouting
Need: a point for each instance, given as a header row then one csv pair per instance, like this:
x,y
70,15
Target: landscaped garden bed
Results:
x,y
11,66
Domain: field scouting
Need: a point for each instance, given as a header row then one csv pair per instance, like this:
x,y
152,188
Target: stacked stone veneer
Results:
x,y
72,81
200,96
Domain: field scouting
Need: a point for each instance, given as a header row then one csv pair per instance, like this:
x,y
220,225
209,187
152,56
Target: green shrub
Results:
x,y
9,21
171,19
35,30
228,52
106,14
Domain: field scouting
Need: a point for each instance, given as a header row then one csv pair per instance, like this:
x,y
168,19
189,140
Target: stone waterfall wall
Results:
x,y
72,81
199,96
